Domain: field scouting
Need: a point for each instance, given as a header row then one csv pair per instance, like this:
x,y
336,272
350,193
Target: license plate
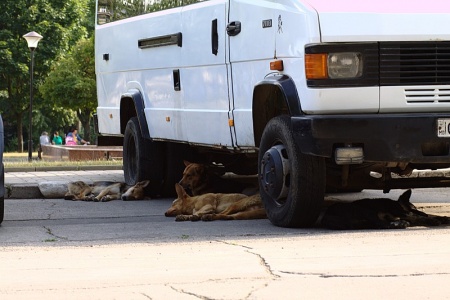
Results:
x,y
443,127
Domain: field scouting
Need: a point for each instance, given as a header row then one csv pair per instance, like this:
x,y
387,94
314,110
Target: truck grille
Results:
x,y
414,63
427,95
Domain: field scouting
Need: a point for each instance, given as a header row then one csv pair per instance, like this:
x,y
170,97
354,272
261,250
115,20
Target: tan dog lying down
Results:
x,y
102,191
210,207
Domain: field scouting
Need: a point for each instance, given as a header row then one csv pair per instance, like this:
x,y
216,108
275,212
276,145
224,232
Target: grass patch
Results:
x,y
17,154
41,163
20,160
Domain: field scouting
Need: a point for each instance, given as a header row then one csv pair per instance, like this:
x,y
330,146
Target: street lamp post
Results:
x,y
33,39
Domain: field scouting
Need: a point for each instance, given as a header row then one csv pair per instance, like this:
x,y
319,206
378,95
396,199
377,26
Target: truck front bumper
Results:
x,y
383,137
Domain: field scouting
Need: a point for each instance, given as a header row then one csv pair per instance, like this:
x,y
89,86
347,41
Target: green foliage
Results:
x,y
64,76
61,23
71,83
11,144
121,9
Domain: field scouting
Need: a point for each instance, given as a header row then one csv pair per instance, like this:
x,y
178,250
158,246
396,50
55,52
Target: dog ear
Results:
x,y
144,183
186,163
181,193
404,198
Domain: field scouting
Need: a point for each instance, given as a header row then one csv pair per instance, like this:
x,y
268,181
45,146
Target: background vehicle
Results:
x,y
311,95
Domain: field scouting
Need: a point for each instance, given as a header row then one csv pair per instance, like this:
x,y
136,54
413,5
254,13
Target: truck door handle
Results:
x,y
176,80
234,28
214,37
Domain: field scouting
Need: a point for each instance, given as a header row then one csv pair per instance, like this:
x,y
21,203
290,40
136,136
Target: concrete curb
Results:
x,y
23,191
32,190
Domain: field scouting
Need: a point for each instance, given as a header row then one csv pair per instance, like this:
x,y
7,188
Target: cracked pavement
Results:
x,y
57,249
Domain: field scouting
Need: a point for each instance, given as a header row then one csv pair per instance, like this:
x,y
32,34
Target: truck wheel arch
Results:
x,y
273,96
132,105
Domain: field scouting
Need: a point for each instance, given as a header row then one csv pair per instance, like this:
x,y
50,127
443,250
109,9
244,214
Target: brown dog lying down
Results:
x,y
102,191
199,179
378,214
210,207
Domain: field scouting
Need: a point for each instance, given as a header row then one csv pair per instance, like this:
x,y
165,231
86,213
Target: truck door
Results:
x,y
203,75
252,27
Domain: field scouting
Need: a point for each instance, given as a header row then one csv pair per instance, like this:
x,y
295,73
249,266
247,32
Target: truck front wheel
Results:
x,y
292,184
142,159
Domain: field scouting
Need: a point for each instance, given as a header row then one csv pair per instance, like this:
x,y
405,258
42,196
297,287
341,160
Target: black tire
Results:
x,y
2,188
142,159
292,184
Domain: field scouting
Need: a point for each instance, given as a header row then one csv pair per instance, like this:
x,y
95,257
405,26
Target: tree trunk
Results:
x,y
85,120
87,130
19,133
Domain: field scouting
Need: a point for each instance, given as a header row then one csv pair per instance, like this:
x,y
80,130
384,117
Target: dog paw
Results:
x,y
181,218
105,199
89,198
399,224
208,217
195,218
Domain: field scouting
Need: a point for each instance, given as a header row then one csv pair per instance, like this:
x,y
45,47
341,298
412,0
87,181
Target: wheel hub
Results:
x,y
274,172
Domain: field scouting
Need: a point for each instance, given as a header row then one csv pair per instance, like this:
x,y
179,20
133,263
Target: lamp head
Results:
x,y
33,39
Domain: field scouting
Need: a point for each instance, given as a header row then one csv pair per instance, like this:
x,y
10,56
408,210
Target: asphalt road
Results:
x,y
57,249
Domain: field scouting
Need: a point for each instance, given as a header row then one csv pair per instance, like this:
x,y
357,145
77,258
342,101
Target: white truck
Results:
x,y
311,95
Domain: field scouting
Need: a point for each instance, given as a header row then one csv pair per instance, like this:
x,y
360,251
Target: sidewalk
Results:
x,y
26,184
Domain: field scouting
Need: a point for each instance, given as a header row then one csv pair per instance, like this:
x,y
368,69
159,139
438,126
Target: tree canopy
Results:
x,y
71,83
62,24
64,75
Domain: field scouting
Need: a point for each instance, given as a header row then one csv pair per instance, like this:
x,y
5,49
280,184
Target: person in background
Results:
x,y
56,139
44,139
76,137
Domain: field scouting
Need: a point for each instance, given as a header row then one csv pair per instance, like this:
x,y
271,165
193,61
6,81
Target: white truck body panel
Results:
x,y
219,88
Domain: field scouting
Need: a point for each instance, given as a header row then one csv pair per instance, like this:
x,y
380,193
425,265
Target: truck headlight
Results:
x,y
344,65
339,65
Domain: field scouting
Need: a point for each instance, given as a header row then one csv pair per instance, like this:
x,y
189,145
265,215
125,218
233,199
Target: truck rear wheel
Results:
x,y
292,184
142,159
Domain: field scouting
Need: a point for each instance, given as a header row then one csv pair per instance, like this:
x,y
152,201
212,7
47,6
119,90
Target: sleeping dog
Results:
x,y
211,207
378,214
102,191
